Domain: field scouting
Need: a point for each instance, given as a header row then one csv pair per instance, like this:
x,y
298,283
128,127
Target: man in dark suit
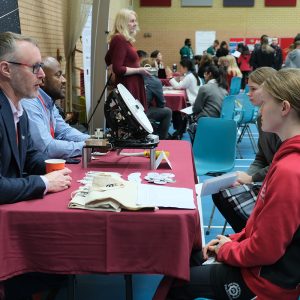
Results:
x,y
21,165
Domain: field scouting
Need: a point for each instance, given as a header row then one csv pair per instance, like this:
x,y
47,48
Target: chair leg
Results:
x,y
128,286
242,134
71,287
224,228
210,220
251,138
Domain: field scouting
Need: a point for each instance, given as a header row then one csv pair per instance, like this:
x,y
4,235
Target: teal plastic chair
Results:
x,y
214,150
246,90
235,85
248,115
227,109
214,146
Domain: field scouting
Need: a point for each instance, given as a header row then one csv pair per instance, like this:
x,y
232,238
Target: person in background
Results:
x,y
158,112
268,144
197,59
122,56
232,70
186,52
205,61
22,167
278,54
213,48
263,55
223,50
210,96
157,57
293,58
223,62
262,261
243,63
208,102
50,133
190,82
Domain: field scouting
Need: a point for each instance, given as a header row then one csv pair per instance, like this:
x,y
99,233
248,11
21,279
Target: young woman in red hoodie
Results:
x,y
262,261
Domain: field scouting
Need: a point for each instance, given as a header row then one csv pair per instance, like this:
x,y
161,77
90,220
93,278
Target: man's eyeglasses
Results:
x,y
35,68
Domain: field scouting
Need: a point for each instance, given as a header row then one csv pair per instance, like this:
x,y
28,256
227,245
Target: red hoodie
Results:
x,y
271,226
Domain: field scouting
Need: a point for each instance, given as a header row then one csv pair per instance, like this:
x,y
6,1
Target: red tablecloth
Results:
x,y
175,100
45,236
165,81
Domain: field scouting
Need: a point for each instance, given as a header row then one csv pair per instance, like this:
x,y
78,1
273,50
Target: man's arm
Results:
x,y
39,126
63,131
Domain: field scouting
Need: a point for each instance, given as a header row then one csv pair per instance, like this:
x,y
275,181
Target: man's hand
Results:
x,y
59,180
243,177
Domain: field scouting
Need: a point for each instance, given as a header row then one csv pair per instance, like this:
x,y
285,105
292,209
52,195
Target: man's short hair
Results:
x,y
187,41
8,44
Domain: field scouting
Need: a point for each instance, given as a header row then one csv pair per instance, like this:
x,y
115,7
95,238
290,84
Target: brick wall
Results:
x,y
43,20
169,26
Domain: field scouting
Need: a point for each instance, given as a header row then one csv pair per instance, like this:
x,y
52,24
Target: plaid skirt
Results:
x,y
242,198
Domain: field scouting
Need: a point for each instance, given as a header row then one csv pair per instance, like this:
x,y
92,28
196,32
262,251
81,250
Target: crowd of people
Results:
x,y
262,258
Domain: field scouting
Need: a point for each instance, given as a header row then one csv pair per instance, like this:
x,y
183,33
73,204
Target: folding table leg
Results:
x,y
128,286
71,287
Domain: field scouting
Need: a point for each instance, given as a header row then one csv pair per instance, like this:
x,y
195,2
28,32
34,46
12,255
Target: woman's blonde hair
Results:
x,y
232,66
121,25
259,75
223,61
285,85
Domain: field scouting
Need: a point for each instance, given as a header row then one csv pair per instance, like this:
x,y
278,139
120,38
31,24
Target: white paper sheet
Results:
x,y
215,184
172,92
188,110
163,196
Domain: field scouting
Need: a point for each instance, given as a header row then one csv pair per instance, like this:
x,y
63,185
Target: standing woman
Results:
x,y
122,56
263,259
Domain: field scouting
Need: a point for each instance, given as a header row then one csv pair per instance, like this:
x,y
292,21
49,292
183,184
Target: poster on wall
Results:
x,y
9,16
155,2
251,42
233,42
196,3
280,2
203,40
240,3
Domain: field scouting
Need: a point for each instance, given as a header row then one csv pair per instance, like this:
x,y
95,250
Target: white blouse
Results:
x,y
189,83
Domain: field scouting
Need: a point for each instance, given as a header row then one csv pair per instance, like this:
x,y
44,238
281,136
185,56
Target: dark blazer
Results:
x,y
17,161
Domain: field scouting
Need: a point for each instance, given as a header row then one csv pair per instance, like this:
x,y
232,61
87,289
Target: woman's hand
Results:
x,y
243,177
208,249
222,240
143,71
212,248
